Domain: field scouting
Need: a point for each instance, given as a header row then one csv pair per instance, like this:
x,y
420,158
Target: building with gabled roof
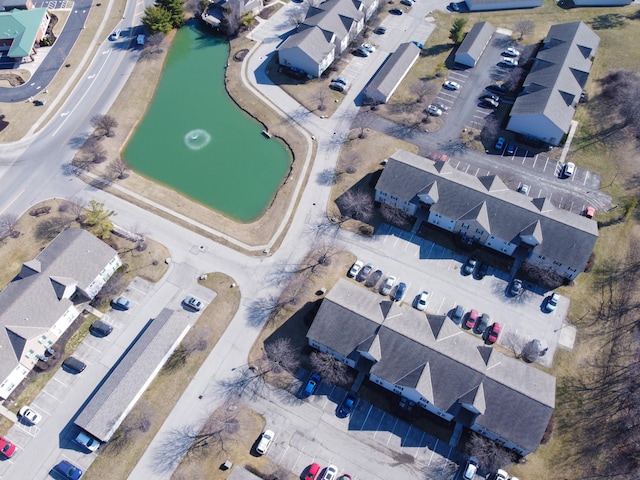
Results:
x,y
432,362
553,88
484,5
21,30
38,306
474,44
336,24
388,79
485,211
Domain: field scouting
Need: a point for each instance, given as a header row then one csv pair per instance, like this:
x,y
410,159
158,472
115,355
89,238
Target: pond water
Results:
x,y
195,140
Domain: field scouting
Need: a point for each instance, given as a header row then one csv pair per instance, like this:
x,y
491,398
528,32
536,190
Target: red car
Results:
x,y
7,448
471,319
494,332
312,472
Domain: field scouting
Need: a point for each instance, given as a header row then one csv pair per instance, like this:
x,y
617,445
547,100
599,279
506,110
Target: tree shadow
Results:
x,y
435,50
3,123
607,21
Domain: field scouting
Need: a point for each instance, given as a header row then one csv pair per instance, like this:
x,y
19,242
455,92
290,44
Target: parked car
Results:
x,y
589,212
115,35
396,11
497,87
387,285
511,52
28,415
408,3
508,62
364,273
511,148
312,384
7,448
100,328
532,351
346,476
489,103
451,85
121,303
551,302
421,301
482,323
355,268
373,279
481,270
457,314
472,319
441,106
73,365
569,169
380,30
516,287
193,302
345,407
492,96
500,143
330,473
454,7
360,52
469,266
338,87
341,80
524,189
312,472
400,291
433,110
68,470
470,468
438,157
87,441
368,47
494,333
501,475
265,440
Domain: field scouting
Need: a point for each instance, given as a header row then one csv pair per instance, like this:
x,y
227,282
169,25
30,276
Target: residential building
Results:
x,y
44,299
125,384
214,13
553,88
483,5
601,3
474,44
388,79
21,31
337,23
432,362
483,210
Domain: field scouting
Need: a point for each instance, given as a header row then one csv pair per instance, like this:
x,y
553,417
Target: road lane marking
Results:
x,y
13,201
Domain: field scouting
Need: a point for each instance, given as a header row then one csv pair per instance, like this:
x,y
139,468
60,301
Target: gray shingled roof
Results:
x,y
475,42
393,71
312,41
444,363
32,303
335,16
122,388
567,237
559,74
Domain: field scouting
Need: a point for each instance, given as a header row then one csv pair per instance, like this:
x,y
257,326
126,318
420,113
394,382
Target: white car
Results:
x,y
368,47
552,302
470,469
511,52
451,85
330,473
433,110
421,301
569,169
387,285
193,302
509,62
355,269
31,416
501,475
265,441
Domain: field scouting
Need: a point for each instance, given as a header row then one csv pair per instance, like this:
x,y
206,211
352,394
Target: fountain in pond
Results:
x,y
197,139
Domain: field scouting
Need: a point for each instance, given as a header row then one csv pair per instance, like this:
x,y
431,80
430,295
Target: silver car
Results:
x,y
387,285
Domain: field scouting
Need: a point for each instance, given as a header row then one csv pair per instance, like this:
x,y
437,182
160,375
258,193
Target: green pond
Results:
x,y
195,140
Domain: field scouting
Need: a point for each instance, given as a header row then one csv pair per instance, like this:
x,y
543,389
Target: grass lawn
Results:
x,y
121,454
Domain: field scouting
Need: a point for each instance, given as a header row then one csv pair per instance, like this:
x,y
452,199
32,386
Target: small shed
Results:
x,y
389,77
474,44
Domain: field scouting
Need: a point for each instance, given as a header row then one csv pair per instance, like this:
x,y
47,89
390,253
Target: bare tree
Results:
x,y
330,369
514,78
95,151
395,216
620,88
546,277
422,89
245,382
232,19
77,207
297,15
490,455
179,357
524,28
321,98
138,421
279,356
8,223
357,204
118,168
268,309
350,161
104,125
362,122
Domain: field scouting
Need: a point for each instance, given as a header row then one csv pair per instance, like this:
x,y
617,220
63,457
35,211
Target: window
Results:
x,y
465,225
479,230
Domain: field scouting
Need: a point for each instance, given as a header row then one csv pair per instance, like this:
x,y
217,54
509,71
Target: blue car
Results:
x,y
67,470
312,384
344,409
400,292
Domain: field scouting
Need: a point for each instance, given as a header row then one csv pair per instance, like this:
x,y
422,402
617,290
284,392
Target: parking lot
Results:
x,y
369,444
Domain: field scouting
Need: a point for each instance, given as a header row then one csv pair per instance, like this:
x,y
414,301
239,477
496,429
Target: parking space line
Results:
x,y
41,409
419,443
441,304
93,348
367,416
60,382
379,423
392,430
433,452
285,452
52,396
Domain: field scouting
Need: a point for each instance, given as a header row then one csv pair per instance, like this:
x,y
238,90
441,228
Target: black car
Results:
x,y
482,324
344,409
73,365
481,270
400,290
489,103
100,328
338,87
469,266
380,30
497,87
396,11
360,52
491,96
440,105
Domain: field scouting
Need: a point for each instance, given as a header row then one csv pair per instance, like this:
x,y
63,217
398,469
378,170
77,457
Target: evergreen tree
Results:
x,y
175,9
457,30
156,20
